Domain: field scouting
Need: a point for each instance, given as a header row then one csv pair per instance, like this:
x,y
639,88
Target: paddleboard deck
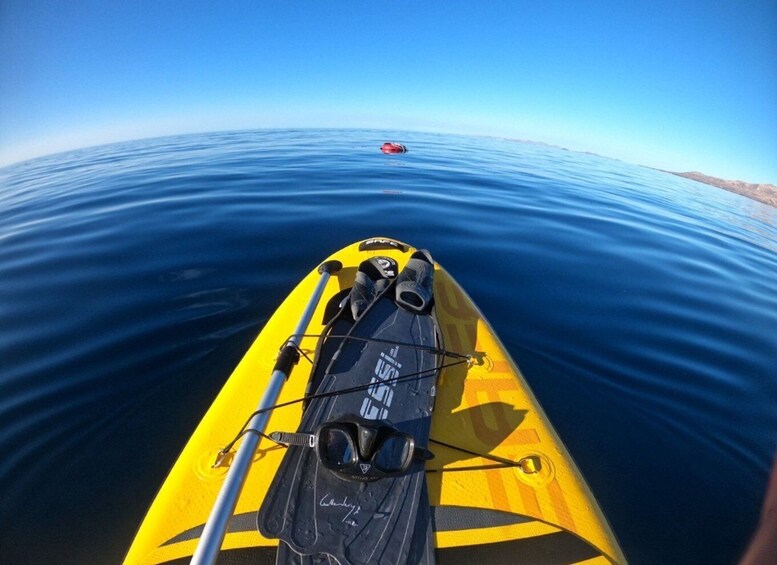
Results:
x,y
537,510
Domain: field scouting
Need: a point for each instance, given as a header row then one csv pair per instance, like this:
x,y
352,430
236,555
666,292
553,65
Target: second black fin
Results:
x,y
382,522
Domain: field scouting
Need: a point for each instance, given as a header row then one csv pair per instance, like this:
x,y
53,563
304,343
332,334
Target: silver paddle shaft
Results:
x,y
216,527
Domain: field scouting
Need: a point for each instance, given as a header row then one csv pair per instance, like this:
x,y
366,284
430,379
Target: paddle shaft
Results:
x,y
216,527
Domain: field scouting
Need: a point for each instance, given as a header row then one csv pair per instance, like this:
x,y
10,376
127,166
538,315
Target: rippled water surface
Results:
x,y
640,306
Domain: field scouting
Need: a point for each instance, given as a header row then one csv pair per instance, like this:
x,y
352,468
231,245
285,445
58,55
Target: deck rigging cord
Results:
x,y
410,377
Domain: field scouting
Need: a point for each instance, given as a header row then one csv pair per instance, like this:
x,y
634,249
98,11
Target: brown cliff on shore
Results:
x,y
766,193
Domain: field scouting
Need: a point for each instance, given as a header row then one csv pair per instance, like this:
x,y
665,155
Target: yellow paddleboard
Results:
x,y
538,510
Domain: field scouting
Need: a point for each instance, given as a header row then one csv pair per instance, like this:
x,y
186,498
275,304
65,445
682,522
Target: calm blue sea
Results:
x,y
640,306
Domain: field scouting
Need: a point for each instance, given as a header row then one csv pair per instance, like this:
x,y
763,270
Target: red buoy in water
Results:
x,y
390,147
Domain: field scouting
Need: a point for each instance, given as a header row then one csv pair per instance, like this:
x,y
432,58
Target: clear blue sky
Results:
x,y
673,84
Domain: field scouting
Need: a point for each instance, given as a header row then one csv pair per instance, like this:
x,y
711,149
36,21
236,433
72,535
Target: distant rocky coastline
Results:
x,y
766,193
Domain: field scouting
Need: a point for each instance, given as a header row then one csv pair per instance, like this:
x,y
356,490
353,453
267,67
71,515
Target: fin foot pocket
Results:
x,y
373,277
415,283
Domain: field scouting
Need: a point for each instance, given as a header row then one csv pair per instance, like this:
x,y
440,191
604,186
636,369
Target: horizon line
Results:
x,y
26,154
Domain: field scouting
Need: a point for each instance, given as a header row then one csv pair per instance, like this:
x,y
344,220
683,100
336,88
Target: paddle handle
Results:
x,y
209,546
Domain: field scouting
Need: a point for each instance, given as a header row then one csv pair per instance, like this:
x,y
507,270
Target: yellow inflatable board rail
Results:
x,y
538,511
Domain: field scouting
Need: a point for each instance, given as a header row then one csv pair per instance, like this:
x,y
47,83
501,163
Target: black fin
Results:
x,y
386,521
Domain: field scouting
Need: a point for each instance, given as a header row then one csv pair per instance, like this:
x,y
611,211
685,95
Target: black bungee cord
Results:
x,y
426,373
